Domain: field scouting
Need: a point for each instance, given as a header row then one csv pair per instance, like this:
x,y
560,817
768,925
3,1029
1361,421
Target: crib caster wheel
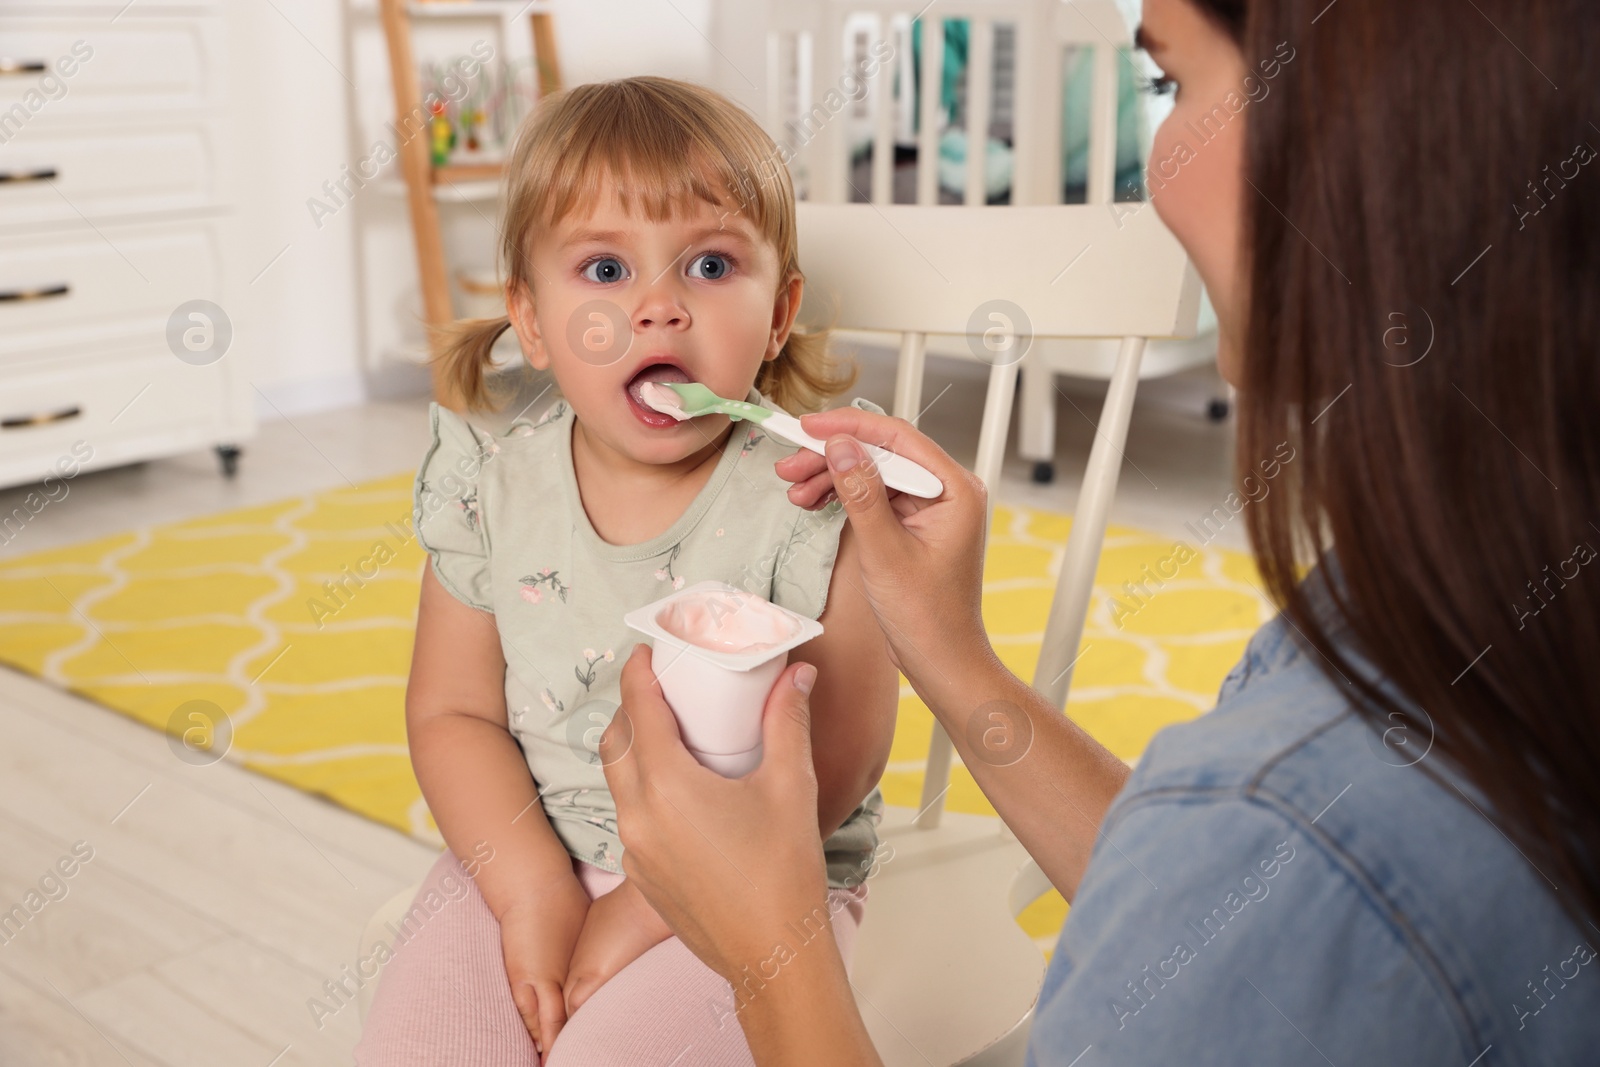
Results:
x,y
1044,472
1217,409
228,456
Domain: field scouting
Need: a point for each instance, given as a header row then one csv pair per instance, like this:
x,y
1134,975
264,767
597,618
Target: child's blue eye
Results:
x,y
710,266
605,269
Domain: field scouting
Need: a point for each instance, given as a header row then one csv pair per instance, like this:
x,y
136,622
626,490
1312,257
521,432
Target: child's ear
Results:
x,y
784,310
519,308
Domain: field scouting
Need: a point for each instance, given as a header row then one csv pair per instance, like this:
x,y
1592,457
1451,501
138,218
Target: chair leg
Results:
x,y
908,376
382,927
1070,605
996,421
991,450
907,405
935,780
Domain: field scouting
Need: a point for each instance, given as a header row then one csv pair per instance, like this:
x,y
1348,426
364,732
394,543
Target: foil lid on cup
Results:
x,y
723,624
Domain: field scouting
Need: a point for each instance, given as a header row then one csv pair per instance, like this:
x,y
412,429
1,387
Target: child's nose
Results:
x,y
664,315
661,308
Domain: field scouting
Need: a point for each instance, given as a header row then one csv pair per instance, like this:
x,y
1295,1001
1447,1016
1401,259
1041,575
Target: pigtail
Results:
x,y
805,377
464,350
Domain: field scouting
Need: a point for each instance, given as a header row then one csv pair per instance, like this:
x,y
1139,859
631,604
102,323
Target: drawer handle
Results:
x,y
42,418
21,66
43,174
18,295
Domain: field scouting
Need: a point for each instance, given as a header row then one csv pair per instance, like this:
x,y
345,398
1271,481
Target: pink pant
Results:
x,y
444,999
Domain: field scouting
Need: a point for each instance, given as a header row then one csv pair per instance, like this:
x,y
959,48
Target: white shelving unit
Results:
x,y
464,212
111,217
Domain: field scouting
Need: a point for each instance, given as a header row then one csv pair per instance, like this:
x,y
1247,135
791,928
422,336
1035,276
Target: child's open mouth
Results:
x,y
653,372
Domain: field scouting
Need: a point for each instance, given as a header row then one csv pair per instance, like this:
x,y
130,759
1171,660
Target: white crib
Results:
x,y
783,60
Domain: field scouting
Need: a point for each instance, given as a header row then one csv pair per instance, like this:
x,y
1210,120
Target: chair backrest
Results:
x,y
1001,276
837,69
1076,270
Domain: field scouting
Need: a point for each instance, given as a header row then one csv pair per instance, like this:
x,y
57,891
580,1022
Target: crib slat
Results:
x,y
880,100
1103,126
1026,181
804,169
830,147
980,82
930,113
779,43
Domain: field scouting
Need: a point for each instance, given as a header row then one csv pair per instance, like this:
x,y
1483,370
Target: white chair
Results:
x,y
942,973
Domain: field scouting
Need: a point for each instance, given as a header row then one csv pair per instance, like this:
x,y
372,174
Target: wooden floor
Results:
x,y
214,904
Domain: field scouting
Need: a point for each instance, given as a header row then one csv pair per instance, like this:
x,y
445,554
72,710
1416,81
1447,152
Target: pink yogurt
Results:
x,y
726,622
717,650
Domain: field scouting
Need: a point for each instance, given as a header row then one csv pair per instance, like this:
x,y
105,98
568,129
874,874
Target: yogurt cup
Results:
x,y
717,650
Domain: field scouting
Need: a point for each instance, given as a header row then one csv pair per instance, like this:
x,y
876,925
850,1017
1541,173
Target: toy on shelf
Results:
x,y
475,108
442,135
469,110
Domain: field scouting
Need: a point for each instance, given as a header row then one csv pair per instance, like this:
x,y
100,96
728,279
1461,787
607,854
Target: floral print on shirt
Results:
x,y
586,673
467,503
469,509
664,574
558,409
532,584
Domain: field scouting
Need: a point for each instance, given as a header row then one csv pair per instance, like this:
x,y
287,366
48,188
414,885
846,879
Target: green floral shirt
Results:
x,y
506,532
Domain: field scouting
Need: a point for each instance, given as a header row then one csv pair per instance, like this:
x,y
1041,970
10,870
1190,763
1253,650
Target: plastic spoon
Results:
x,y
687,400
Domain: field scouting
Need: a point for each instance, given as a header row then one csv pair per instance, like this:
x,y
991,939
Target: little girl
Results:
x,y
649,236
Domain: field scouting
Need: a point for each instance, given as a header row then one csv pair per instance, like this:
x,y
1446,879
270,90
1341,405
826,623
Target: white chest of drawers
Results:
x,y
111,218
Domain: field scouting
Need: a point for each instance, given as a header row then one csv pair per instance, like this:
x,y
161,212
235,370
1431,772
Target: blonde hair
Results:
x,y
660,144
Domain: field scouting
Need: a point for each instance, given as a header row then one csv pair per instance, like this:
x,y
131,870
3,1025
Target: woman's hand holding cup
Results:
x,y
729,863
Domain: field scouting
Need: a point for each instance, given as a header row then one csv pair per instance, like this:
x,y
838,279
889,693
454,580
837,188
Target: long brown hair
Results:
x,y
661,144
1423,243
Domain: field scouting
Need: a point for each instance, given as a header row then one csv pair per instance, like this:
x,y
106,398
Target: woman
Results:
x,y
1383,845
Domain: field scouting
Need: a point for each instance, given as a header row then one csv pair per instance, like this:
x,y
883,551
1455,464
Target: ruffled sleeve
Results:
x,y
805,565
449,507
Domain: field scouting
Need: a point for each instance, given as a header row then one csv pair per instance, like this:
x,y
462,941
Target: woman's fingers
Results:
x,y
786,728
884,541
896,435
813,484
799,466
921,560
695,844
643,728
814,491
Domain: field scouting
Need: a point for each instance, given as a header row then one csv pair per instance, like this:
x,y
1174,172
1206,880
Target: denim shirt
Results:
x,y
1279,883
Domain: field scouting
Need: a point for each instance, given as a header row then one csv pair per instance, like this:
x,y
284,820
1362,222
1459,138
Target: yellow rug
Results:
x,y
239,610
